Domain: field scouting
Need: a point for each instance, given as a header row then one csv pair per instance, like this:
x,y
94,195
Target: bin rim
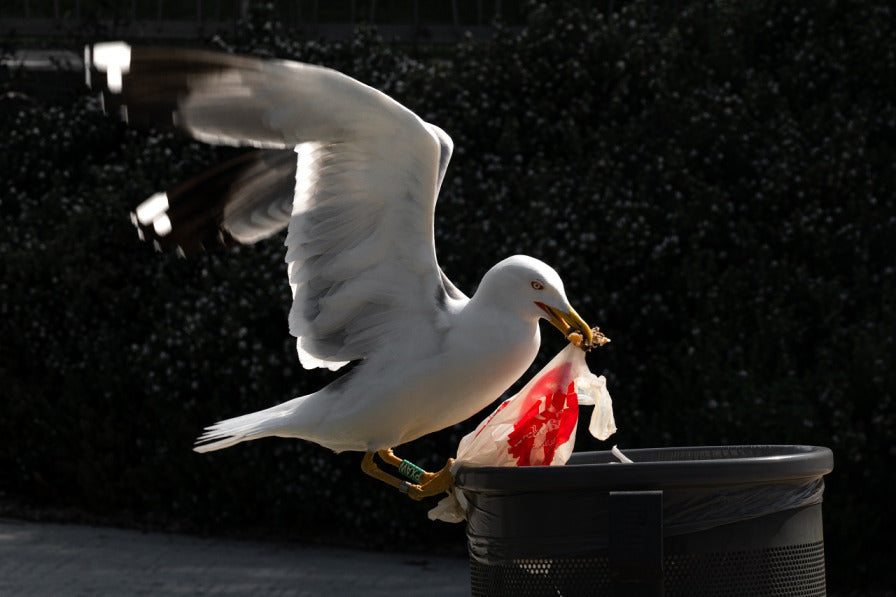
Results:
x,y
735,464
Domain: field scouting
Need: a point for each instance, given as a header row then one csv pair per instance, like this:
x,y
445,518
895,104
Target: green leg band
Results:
x,y
411,471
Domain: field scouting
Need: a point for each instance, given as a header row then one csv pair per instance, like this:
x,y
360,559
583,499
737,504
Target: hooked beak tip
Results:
x,y
570,324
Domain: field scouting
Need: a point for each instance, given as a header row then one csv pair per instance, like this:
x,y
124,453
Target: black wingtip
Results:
x,y
149,82
171,222
144,87
106,65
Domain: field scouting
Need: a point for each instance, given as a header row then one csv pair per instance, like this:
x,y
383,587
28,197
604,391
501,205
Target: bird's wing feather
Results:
x,y
360,247
241,200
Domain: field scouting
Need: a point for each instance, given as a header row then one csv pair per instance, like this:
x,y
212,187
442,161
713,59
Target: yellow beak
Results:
x,y
568,323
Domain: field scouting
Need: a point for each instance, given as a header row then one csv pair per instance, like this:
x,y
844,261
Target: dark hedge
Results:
x,y
714,183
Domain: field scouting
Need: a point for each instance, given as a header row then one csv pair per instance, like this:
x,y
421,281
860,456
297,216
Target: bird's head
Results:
x,y
534,290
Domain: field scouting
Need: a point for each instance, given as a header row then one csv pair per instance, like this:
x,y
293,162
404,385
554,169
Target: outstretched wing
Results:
x,y
360,247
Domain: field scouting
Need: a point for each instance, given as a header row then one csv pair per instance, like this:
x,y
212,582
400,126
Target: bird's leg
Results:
x,y
370,468
425,484
435,483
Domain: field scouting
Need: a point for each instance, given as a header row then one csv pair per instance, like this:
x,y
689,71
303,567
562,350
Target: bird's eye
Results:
x,y
536,285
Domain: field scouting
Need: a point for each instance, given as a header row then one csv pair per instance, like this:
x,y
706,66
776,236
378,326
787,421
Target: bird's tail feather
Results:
x,y
264,423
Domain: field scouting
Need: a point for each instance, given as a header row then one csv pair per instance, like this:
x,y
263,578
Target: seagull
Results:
x,y
354,177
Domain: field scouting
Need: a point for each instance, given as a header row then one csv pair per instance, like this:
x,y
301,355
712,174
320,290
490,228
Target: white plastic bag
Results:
x,y
537,426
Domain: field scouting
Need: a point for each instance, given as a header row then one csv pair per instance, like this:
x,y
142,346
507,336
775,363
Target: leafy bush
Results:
x,y
714,183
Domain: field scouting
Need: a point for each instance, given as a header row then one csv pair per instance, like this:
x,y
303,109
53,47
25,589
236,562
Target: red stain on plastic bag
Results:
x,y
484,425
549,418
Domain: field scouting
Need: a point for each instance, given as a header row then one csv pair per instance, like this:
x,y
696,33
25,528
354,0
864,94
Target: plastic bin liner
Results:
x,y
563,511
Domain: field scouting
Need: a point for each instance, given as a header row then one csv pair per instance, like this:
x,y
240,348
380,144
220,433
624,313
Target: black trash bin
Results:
x,y
732,520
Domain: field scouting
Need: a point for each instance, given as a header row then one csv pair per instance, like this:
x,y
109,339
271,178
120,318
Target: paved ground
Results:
x,y
53,559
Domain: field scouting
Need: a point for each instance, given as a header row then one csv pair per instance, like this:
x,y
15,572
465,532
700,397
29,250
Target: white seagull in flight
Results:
x,y
354,175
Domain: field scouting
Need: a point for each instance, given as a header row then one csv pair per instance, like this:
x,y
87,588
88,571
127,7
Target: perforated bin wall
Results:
x,y
742,520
